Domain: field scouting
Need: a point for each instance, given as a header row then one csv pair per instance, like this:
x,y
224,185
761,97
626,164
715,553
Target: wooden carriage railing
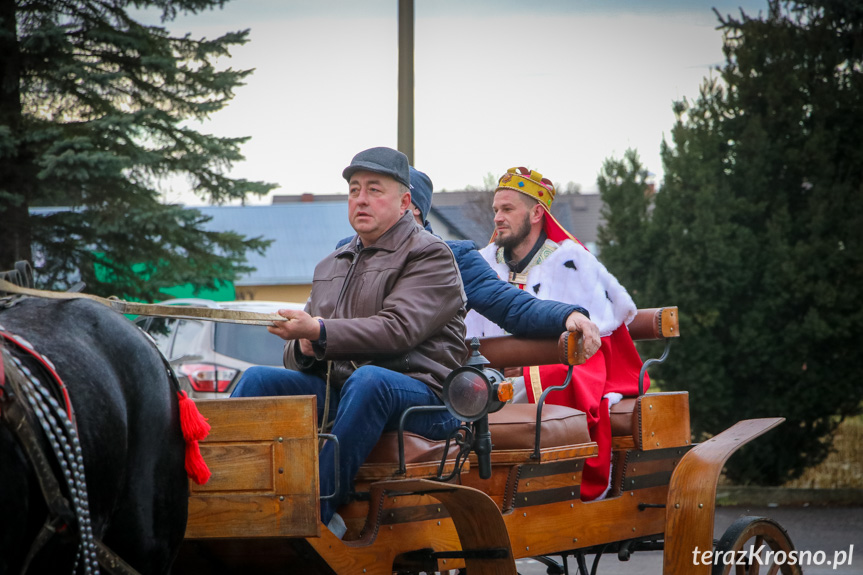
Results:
x,y
509,351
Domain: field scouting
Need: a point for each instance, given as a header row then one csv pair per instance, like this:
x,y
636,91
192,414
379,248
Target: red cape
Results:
x,y
614,368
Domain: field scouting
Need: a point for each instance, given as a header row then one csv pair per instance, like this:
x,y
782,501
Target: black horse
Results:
x,y
126,409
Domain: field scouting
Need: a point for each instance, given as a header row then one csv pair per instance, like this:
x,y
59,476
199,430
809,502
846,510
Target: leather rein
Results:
x,y
151,309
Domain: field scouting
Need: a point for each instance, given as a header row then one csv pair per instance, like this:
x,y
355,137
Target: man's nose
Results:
x,y
362,196
498,218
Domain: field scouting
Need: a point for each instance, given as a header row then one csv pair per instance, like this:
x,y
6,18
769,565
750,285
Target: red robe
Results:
x,y
614,368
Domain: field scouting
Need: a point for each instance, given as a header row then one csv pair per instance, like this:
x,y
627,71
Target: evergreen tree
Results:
x,y
626,199
95,110
757,234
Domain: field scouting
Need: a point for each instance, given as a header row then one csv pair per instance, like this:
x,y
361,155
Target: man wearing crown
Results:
x,y
533,251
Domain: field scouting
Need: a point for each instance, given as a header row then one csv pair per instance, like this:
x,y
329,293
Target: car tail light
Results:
x,y
208,376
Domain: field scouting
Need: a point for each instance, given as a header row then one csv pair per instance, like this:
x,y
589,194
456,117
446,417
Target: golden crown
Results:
x,y
530,183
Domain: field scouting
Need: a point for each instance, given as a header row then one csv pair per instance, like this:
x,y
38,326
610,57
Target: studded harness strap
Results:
x,y
26,401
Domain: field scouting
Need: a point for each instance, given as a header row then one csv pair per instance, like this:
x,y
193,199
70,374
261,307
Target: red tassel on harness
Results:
x,y
195,428
193,424
196,467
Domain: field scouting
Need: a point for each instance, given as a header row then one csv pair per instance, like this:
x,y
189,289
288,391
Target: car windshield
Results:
x,y
251,343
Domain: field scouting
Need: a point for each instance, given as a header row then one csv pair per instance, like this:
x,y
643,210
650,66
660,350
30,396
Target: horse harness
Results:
x,y
42,398
44,403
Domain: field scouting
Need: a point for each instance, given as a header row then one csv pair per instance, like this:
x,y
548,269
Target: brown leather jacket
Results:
x,y
398,303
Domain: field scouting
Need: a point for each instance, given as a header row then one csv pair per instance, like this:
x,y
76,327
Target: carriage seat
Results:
x,y
652,421
623,417
512,428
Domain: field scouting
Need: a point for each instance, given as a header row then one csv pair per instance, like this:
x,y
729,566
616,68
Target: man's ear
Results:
x,y
536,214
405,201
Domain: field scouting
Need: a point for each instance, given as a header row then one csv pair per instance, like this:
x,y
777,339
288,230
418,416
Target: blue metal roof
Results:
x,y
303,234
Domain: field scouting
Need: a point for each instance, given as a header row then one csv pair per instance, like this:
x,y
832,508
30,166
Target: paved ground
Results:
x,y
832,530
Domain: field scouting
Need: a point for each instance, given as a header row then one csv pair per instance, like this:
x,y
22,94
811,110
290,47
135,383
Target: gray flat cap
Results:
x,y
382,161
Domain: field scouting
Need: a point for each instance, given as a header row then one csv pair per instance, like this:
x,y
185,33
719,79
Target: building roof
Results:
x,y
467,215
302,234
305,231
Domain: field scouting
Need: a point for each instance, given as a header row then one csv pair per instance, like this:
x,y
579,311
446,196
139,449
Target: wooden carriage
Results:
x,y
260,510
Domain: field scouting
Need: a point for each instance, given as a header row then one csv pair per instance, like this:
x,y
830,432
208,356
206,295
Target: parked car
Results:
x,y
210,357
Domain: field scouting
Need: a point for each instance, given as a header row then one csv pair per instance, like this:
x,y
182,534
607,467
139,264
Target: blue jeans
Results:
x,y
370,402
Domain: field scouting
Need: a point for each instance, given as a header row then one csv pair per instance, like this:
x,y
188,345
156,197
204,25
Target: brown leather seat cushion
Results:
x,y
418,449
514,426
623,417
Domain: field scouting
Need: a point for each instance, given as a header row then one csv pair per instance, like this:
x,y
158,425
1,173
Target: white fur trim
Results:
x,y
584,282
613,398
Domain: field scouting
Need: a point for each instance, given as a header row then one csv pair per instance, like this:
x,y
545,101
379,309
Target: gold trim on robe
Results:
x,y
535,383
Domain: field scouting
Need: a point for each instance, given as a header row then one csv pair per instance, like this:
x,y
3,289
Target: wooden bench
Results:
x,y
513,428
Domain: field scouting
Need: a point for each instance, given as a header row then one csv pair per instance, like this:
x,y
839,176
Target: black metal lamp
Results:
x,y
470,393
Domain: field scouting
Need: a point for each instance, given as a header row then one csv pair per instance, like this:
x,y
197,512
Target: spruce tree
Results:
x,y
626,199
757,234
96,109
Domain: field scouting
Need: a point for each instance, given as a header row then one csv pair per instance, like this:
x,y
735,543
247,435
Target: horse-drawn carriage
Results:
x,y
418,507
508,488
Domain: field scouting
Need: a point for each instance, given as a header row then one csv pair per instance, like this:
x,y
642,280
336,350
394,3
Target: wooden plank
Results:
x,y
663,420
669,322
691,501
560,480
622,443
253,417
227,517
548,529
514,456
376,471
263,455
242,467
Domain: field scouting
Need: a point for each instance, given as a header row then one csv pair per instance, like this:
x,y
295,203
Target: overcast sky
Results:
x,y
557,86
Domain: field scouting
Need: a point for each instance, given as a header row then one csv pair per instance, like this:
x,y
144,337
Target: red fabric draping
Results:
x,y
614,368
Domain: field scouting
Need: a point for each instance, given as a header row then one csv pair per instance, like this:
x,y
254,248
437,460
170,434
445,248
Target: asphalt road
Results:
x,y
832,530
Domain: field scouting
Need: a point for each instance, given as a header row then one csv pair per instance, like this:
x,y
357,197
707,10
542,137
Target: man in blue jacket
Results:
x,y
516,311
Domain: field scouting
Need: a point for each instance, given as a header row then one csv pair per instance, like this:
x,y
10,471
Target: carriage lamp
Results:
x,y
208,377
474,390
470,393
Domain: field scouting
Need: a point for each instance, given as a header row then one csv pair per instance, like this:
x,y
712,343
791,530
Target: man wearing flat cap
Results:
x,y
384,324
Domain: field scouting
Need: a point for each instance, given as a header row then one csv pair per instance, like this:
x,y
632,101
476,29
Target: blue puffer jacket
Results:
x,y
515,310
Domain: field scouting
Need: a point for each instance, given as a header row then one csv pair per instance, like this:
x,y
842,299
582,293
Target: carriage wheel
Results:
x,y
759,545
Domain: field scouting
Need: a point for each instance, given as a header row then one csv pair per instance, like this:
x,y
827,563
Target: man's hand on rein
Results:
x,y
297,325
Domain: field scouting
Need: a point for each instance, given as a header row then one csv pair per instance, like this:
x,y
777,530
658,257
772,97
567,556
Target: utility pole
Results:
x,y
406,79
